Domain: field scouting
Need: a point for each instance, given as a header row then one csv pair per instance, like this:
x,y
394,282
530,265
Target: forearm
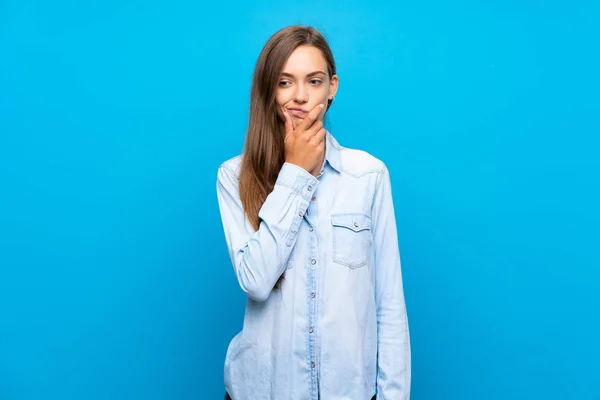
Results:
x,y
259,257
394,355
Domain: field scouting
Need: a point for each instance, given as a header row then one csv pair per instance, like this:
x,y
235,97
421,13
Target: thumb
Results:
x,y
289,127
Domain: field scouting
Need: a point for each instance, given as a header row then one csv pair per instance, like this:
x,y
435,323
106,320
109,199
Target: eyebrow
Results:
x,y
308,76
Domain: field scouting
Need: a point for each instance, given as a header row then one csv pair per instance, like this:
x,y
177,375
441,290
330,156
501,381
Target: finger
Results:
x,y
294,123
319,137
314,129
321,147
311,117
289,126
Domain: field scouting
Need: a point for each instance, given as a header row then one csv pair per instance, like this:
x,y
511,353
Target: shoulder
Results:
x,y
231,167
358,163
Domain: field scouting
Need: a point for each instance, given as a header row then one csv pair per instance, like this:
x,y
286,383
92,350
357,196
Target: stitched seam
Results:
x,y
293,229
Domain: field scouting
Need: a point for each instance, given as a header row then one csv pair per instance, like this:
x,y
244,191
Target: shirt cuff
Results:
x,y
297,179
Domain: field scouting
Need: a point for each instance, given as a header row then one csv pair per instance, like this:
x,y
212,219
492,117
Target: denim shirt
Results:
x,y
337,327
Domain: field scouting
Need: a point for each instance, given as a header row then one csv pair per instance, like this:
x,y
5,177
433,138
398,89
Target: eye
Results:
x,y
316,81
284,83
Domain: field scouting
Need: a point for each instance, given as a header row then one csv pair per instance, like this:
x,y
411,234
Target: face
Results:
x,y
304,83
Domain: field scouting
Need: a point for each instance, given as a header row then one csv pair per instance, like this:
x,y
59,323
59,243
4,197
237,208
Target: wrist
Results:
x,y
297,164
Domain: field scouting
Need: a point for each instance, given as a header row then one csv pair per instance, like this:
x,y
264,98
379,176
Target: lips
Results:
x,y
297,112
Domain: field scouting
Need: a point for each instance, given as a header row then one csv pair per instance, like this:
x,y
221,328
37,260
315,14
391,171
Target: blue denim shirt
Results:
x,y
337,327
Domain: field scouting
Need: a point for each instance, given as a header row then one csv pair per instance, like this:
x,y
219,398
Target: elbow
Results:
x,y
256,288
258,293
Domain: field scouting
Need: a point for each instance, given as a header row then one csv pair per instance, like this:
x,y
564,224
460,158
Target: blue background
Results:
x,y
115,281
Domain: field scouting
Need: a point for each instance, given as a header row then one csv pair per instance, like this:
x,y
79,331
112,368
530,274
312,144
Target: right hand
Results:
x,y
305,144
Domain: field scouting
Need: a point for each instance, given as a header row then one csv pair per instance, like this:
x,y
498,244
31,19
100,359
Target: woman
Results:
x,y
311,234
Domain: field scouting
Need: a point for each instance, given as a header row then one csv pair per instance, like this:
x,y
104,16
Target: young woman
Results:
x,y
311,233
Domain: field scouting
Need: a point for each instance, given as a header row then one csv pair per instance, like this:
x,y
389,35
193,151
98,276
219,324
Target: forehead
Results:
x,y
304,60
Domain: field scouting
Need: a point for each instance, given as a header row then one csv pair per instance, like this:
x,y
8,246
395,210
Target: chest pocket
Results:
x,y
351,239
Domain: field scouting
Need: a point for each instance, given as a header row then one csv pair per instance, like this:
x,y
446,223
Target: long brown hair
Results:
x,y
264,154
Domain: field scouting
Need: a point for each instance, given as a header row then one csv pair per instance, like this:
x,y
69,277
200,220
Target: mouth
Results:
x,y
297,112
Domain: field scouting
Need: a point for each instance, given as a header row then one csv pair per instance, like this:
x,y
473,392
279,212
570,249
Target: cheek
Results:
x,y
282,97
281,101
324,96
322,114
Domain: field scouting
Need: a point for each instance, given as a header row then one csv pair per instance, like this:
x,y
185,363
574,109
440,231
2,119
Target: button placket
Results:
x,y
311,325
296,224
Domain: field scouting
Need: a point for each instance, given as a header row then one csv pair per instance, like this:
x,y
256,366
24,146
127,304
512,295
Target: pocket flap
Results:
x,y
356,222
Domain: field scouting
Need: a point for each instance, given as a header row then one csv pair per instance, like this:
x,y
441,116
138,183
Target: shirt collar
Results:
x,y
332,152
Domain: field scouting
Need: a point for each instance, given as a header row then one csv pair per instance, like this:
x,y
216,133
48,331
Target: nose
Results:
x,y
301,94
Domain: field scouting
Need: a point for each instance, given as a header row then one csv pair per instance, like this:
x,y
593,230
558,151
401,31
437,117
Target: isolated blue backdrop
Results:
x,y
115,281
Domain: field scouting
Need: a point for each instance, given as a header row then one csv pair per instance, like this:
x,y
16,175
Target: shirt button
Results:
x,y
311,330
309,188
313,261
312,295
312,364
356,224
314,198
311,229
300,214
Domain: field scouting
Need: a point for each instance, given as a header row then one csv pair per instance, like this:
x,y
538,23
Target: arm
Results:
x,y
393,354
259,257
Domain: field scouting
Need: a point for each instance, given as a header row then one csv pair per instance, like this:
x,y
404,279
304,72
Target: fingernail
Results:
x,y
321,105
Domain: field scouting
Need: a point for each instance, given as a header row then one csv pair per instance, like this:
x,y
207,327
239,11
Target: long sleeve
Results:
x,y
259,257
394,354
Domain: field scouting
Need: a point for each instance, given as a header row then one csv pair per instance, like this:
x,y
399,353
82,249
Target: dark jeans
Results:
x,y
229,398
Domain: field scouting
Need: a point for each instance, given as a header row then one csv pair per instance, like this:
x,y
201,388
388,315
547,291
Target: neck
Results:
x,y
317,171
